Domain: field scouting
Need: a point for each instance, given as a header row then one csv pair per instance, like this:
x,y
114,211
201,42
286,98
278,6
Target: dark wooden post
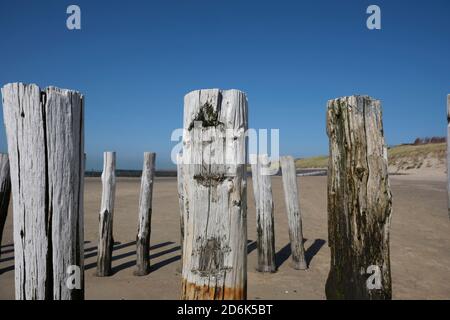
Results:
x,y
359,201
262,190
46,146
215,203
5,191
145,216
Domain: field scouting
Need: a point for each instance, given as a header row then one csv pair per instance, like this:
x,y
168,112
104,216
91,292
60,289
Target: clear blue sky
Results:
x,y
135,60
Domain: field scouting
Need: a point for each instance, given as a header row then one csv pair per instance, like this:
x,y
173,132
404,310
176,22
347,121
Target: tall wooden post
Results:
x,y
106,239
359,201
293,211
5,191
215,203
181,193
145,216
45,146
448,152
262,190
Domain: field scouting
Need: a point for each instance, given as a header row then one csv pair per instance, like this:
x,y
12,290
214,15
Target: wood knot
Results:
x,y
207,116
360,172
209,180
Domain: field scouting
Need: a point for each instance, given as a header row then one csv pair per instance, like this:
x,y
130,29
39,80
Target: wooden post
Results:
x,y
106,240
145,216
5,191
448,152
359,201
293,211
262,190
181,204
45,146
215,203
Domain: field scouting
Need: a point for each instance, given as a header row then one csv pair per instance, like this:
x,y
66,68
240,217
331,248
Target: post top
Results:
x,y
356,101
288,157
356,96
36,87
216,90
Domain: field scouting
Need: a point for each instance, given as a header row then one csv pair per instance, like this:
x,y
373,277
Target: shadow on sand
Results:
x,y
280,257
285,252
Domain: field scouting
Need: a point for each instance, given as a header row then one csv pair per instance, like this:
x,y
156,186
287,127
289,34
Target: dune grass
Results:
x,y
314,162
437,150
410,156
396,155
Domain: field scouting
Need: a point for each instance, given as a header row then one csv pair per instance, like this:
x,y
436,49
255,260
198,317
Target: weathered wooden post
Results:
x,y
359,201
289,176
145,216
45,146
5,191
106,239
262,190
215,203
181,204
448,152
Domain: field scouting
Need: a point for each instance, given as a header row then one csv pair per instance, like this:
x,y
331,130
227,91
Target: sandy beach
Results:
x,y
420,242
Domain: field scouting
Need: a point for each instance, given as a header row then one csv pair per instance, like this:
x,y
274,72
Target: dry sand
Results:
x,y
420,243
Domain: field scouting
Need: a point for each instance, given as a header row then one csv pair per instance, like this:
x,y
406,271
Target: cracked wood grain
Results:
x,y
265,229
214,195
106,239
359,199
289,177
5,191
181,192
145,216
45,133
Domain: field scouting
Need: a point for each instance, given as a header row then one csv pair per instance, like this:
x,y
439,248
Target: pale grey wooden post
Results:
x,y
5,191
45,133
215,203
181,193
145,216
106,238
265,229
289,176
